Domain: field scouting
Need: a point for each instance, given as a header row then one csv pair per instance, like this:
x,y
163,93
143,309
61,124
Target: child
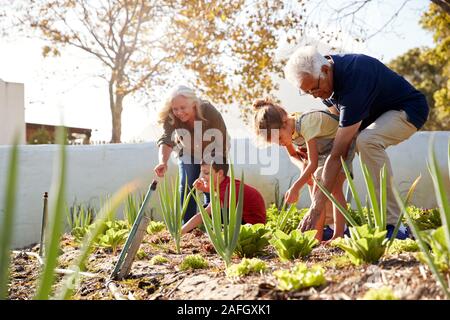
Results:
x,y
316,129
254,209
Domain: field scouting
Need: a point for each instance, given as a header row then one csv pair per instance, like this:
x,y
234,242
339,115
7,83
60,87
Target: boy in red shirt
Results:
x,y
254,208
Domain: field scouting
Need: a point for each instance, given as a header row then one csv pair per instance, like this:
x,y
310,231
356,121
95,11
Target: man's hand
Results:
x,y
309,221
160,169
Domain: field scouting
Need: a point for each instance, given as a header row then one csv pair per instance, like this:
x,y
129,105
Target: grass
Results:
x,y
441,195
47,277
224,225
8,219
173,207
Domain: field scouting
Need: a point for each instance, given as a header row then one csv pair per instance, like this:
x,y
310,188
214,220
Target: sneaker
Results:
x,y
402,233
327,233
347,232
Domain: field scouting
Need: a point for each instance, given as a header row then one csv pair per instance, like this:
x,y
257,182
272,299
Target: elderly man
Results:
x,y
375,105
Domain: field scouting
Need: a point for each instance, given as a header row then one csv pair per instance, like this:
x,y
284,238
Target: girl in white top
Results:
x,y
316,130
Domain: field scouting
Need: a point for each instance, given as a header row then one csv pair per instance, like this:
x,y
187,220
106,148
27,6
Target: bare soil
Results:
x,y
408,278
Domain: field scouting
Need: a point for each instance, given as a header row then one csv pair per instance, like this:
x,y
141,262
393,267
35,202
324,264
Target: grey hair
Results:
x,y
166,110
305,60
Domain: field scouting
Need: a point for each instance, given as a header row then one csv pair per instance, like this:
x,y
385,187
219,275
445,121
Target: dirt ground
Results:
x,y
408,278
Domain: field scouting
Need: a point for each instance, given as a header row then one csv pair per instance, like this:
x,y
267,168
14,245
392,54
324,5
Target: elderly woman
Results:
x,y
194,130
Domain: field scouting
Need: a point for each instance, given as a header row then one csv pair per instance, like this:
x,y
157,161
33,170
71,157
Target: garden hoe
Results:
x,y
123,265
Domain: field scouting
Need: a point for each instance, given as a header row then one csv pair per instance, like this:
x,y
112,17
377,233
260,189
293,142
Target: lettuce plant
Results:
x,y
300,277
438,240
245,267
407,245
194,261
284,220
252,240
224,236
383,293
440,252
113,239
425,219
158,259
294,245
173,208
155,227
366,244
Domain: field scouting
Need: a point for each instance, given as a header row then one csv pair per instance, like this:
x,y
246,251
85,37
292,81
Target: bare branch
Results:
x,y
395,15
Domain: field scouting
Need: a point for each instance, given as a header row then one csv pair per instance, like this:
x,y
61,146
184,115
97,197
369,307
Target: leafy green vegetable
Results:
x,y
113,239
252,240
440,240
155,227
284,220
300,277
407,245
365,244
425,219
158,259
439,249
383,293
194,261
245,267
294,245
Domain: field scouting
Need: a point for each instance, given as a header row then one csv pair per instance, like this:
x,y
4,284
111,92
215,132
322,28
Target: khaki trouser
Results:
x,y
389,129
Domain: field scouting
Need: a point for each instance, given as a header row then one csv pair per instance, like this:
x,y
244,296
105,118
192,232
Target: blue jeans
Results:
x,y
191,172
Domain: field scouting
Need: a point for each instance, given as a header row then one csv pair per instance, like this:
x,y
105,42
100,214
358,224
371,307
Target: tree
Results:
x,y
428,69
228,46
427,78
437,20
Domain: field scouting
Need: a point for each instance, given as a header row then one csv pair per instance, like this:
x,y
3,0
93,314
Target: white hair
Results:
x,y
305,60
166,110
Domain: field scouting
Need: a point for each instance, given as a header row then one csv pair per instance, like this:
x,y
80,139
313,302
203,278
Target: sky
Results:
x,y
64,88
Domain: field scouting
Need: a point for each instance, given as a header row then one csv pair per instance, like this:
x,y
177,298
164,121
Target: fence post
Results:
x,y
43,226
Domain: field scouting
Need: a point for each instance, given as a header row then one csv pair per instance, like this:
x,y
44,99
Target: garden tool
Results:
x,y
134,240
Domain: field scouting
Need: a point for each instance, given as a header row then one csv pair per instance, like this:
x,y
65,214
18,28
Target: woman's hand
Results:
x,y
160,170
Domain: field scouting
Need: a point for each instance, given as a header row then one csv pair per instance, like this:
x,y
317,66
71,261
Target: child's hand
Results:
x,y
302,153
199,184
291,195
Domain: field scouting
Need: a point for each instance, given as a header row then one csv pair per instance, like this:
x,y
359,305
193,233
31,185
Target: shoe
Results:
x,y
327,233
347,232
402,233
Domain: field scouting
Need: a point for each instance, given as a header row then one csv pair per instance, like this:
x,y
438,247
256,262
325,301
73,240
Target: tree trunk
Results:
x,y
116,115
116,106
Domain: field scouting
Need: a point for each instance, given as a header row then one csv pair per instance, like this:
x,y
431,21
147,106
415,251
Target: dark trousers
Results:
x,y
191,172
